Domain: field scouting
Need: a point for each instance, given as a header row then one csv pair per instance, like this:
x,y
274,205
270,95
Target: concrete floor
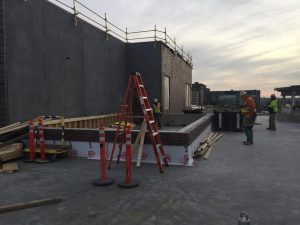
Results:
x,y
263,179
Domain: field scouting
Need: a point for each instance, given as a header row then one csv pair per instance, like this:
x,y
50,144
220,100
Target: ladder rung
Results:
x,y
149,109
155,133
144,97
141,85
151,121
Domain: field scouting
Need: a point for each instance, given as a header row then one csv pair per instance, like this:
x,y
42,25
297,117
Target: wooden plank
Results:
x,y
208,152
212,137
209,137
10,126
10,167
12,151
11,141
141,144
218,137
108,116
20,126
25,205
138,138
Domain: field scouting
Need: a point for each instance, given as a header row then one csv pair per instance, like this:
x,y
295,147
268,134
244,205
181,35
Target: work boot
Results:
x,y
248,143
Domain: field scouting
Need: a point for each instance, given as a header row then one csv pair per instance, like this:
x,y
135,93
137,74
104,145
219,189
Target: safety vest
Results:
x,y
244,109
248,103
156,107
274,105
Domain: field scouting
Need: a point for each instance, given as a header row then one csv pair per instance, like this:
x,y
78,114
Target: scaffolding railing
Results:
x,y
81,11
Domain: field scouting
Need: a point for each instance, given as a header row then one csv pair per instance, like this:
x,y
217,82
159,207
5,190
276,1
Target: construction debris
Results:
x,y
12,151
206,147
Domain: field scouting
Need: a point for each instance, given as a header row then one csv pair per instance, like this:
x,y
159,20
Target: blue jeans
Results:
x,y
249,133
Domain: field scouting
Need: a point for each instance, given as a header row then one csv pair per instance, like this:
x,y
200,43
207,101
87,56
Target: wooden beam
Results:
x,y
25,205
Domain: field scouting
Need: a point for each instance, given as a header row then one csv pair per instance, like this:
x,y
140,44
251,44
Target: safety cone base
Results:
x,y
103,182
41,161
131,184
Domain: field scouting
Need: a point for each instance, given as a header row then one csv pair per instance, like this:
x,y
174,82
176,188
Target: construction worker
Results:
x,y
249,116
157,112
273,109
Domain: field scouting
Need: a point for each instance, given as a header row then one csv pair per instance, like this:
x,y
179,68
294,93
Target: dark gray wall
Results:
x,y
145,58
3,69
25,59
57,68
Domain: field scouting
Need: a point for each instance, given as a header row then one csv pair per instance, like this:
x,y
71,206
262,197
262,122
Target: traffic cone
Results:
x,y
103,180
128,183
42,158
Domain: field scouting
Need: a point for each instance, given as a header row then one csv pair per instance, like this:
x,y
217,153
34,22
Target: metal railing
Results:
x,y
81,11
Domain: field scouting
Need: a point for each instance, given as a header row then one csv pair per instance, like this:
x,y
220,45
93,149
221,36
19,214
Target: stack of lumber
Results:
x,y
11,151
12,131
206,147
15,132
9,168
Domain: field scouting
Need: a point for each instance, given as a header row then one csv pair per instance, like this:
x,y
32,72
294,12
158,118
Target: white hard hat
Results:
x,y
242,93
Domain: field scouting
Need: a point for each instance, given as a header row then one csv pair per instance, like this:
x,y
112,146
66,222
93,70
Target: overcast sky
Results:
x,y
235,44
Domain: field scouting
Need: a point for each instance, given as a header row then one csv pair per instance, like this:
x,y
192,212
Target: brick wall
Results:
x,y
180,74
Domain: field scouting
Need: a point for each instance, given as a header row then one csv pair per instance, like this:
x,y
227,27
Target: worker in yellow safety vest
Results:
x,y
273,109
249,115
157,112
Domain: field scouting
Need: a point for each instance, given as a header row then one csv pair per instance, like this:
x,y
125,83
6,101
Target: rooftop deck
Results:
x,y
262,179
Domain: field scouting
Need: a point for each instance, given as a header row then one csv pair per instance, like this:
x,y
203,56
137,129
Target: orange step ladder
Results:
x,y
135,82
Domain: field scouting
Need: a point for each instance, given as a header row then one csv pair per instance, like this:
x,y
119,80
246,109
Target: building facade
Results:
x,y
200,94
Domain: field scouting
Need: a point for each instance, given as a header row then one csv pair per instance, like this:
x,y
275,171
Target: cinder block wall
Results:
x,y
180,74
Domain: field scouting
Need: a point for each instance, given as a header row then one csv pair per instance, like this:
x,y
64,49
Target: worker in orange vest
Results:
x,y
157,112
249,116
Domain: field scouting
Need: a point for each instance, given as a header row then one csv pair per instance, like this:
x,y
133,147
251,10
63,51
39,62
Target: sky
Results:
x,y
235,44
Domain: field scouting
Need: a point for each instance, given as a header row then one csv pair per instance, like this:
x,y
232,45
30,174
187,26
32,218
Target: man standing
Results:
x,y
249,116
156,106
273,109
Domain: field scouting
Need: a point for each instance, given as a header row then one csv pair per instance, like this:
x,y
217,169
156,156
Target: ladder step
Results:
x,y
155,133
151,121
149,109
144,97
141,85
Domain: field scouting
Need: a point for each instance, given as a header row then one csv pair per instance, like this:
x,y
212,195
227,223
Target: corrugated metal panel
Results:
x,y
3,70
